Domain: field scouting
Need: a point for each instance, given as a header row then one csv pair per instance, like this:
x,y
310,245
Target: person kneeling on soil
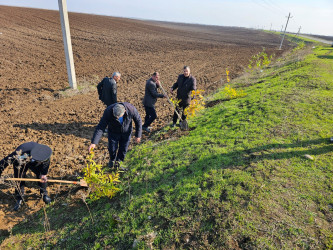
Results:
x,y
118,118
33,156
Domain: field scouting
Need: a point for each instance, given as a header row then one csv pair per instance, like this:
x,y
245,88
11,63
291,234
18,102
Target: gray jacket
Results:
x,y
151,94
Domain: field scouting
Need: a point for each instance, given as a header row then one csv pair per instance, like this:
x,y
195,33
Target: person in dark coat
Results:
x,y
108,89
150,99
184,85
118,118
33,156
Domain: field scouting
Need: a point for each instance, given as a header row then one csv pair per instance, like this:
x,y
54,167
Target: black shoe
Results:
x,y
46,199
146,129
123,169
116,164
113,165
110,164
18,205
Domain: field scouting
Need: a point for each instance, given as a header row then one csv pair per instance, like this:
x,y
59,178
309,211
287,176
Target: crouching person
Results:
x,y
118,118
33,156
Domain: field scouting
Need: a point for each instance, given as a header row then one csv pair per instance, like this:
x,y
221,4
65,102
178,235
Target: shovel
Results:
x,y
82,182
183,123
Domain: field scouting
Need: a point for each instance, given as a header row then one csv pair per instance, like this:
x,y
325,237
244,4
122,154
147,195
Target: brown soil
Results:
x,y
33,77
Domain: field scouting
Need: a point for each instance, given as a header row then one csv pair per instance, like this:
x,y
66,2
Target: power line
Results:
x,y
267,7
276,6
272,7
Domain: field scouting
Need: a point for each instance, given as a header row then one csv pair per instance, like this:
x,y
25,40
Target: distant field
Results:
x,y
328,38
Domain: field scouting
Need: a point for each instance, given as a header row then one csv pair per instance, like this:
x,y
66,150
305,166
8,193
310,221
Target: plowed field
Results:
x,y
34,102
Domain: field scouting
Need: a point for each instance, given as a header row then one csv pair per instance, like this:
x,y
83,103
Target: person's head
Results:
x,y
187,71
155,76
118,110
116,76
40,153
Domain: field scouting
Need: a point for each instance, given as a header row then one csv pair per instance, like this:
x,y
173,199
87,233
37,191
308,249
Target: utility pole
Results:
x,y
284,34
270,29
296,35
298,31
67,43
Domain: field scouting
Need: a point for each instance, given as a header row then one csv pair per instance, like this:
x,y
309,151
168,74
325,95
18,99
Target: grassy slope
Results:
x,y
238,179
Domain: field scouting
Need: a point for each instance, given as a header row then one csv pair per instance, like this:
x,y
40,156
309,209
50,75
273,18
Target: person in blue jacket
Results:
x,y
118,118
33,156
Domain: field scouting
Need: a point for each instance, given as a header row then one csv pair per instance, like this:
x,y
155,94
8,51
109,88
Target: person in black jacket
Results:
x,y
107,89
150,99
184,85
118,118
33,156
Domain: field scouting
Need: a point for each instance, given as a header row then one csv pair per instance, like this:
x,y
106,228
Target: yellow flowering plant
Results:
x,y
100,183
197,103
232,93
227,72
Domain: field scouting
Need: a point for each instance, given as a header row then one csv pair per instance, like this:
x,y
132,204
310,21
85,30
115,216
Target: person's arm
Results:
x,y
138,123
175,85
152,90
103,123
113,91
194,85
44,170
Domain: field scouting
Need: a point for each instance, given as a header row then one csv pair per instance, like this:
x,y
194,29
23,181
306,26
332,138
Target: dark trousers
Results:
x,y
150,116
179,108
118,145
21,172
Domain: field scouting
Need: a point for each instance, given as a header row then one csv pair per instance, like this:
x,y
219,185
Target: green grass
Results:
x,y
238,179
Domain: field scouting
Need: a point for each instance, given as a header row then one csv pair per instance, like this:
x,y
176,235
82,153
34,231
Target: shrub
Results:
x,y
100,184
197,103
260,60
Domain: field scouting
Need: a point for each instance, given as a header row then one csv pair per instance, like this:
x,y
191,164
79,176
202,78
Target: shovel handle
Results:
x,y
38,180
170,102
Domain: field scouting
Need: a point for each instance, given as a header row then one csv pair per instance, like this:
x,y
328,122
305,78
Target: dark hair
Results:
x,y
155,73
187,67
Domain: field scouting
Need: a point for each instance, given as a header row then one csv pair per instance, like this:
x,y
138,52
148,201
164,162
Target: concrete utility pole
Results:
x,y
296,35
284,34
67,43
299,30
